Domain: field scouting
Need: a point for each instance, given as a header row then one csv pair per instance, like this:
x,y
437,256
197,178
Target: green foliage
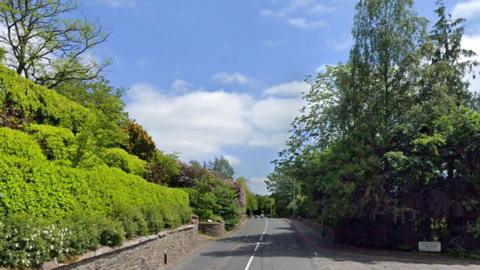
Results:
x,y
139,143
119,158
222,167
32,102
212,198
164,169
386,149
13,142
57,143
266,205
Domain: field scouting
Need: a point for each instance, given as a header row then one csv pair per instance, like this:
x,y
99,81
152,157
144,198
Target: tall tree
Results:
x,y
221,166
45,45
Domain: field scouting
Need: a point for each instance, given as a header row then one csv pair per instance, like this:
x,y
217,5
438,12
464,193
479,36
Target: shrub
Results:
x,y
163,169
111,234
28,242
215,199
34,102
56,142
119,158
14,142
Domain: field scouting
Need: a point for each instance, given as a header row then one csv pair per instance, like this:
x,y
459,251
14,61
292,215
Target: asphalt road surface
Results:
x,y
262,243
280,244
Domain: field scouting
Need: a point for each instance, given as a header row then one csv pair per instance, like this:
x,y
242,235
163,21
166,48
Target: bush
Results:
x,y
215,199
56,142
111,234
13,142
164,169
119,158
27,242
32,102
49,196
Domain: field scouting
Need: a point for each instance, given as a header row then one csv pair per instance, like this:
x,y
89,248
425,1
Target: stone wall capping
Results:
x,y
180,241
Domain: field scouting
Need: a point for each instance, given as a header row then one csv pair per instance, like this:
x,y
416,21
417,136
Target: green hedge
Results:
x,y
47,190
48,210
14,142
119,158
57,143
37,103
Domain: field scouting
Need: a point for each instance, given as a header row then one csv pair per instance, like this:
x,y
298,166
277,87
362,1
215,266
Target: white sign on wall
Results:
x,y
429,246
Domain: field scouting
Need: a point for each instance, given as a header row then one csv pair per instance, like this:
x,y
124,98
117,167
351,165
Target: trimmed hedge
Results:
x,y
45,189
14,142
33,102
119,158
56,142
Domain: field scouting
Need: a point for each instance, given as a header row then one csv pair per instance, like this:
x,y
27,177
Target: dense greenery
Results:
x,y
216,200
386,150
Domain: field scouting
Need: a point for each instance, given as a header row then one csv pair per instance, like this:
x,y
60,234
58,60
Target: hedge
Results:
x,y
119,158
57,143
14,142
47,190
36,103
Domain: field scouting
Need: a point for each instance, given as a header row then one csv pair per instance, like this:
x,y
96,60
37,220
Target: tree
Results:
x,y
164,169
221,166
139,142
45,45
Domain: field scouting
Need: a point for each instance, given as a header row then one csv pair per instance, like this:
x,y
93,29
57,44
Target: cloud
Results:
x,y
119,3
299,13
271,43
199,124
258,185
467,10
232,78
290,89
233,160
472,42
181,86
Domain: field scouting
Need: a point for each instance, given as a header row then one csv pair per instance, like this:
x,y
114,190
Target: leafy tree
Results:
x,y
164,169
382,150
139,142
221,166
45,45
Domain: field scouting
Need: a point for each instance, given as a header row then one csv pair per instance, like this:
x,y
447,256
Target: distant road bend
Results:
x,y
274,244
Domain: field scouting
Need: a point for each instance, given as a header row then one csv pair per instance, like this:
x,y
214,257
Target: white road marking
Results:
x,y
256,247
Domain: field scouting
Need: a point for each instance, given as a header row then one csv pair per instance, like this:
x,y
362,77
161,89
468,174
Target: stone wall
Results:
x,y
152,252
215,229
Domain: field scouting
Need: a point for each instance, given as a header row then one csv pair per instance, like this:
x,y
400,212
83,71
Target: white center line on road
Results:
x,y
256,247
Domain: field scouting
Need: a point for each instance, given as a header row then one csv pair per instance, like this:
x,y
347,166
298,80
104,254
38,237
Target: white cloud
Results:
x,y
289,89
299,13
271,119
181,86
232,78
467,10
472,42
258,185
233,160
119,3
271,43
199,124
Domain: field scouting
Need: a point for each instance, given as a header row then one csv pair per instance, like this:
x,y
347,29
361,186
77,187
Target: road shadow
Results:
x,y
340,253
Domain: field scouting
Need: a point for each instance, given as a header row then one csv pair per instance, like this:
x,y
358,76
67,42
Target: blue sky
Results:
x,y
223,77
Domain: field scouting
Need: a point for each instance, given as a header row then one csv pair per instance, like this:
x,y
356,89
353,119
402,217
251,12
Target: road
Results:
x,y
279,244
278,248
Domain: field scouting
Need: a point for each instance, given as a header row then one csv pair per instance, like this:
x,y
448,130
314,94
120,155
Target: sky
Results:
x,y
223,77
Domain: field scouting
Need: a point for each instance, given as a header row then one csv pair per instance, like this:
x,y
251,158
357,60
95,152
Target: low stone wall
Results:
x,y
152,252
215,229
